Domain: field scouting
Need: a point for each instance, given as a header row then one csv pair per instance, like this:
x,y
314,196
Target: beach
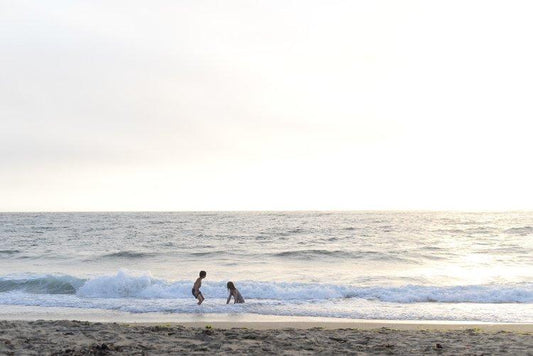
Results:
x,y
94,338
314,283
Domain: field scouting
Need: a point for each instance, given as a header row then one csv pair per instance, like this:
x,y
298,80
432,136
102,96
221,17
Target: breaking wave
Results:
x,y
128,285
46,284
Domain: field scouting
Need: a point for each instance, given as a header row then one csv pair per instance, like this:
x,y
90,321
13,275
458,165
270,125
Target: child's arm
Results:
x,y
229,297
196,285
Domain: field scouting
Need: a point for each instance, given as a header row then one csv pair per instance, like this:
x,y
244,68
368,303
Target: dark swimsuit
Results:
x,y
196,295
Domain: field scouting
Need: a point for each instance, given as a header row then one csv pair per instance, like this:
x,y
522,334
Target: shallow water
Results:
x,y
362,265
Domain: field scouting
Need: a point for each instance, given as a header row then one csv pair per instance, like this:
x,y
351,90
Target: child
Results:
x,y
237,297
196,288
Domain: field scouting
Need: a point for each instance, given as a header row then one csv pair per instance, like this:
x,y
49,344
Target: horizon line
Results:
x,y
273,210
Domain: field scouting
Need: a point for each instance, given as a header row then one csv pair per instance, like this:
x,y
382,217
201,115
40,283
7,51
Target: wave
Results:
x,y
522,231
9,252
449,231
311,252
520,293
209,253
127,285
289,232
340,254
47,284
127,254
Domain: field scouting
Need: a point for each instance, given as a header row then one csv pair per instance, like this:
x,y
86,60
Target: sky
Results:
x,y
265,105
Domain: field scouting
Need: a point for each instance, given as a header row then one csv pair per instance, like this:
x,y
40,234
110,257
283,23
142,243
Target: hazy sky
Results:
x,y
237,105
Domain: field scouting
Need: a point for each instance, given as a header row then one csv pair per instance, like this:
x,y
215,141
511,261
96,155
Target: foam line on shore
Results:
x,y
250,321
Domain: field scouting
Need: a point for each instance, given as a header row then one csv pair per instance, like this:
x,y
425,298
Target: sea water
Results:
x,y
352,265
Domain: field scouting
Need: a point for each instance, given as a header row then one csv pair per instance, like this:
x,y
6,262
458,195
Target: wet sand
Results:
x,y
93,338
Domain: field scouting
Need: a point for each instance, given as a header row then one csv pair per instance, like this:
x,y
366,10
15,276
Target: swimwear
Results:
x,y
237,297
196,294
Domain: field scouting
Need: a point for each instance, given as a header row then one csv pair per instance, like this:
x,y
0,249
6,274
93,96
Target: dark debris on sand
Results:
x,y
83,338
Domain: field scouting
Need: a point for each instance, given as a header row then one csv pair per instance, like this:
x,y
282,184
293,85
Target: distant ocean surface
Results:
x,y
354,265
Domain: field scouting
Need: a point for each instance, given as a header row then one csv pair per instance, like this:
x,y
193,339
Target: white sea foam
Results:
x,y
143,286
352,308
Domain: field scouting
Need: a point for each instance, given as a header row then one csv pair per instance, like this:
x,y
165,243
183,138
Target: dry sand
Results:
x,y
84,338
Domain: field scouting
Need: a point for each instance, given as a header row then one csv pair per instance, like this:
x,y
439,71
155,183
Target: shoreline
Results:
x,y
238,320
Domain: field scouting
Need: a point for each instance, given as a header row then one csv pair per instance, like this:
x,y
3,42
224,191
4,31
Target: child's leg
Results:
x,y
200,298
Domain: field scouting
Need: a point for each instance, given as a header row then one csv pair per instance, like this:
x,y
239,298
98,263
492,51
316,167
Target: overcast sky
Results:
x,y
265,105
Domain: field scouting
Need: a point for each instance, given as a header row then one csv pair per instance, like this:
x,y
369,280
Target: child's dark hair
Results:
x,y
203,273
230,286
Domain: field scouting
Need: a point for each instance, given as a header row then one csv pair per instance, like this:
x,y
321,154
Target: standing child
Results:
x,y
234,292
196,288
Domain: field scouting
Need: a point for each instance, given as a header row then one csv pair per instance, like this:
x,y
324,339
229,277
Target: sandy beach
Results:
x,y
94,338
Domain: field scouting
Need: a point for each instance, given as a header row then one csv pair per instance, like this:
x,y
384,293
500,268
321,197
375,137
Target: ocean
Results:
x,y
434,266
